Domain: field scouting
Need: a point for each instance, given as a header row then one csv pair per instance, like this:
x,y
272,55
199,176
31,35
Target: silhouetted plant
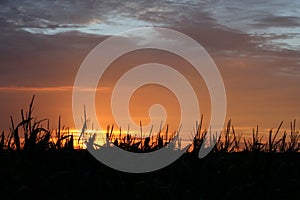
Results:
x,y
254,145
2,140
37,136
198,138
228,141
293,145
273,142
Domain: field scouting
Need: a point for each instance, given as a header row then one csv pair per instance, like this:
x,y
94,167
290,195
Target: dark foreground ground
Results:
x,y
77,175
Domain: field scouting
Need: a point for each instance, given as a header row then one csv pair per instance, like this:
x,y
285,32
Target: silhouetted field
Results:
x,y
76,174
43,163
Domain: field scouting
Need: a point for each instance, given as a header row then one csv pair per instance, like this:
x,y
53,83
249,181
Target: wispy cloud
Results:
x,y
255,18
50,89
36,89
261,19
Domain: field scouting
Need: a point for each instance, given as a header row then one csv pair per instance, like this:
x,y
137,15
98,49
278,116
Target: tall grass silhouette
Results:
x,y
39,161
33,134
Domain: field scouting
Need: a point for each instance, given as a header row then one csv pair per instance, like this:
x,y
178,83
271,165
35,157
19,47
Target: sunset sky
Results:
x,y
255,45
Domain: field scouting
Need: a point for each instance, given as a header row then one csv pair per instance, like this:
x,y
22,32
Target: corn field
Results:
x,y
33,134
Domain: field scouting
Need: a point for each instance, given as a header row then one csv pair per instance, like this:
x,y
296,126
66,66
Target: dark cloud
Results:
x,y
39,57
57,14
27,11
278,21
37,60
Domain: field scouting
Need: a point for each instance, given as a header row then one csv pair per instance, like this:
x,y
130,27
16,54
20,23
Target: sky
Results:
x,y
255,45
